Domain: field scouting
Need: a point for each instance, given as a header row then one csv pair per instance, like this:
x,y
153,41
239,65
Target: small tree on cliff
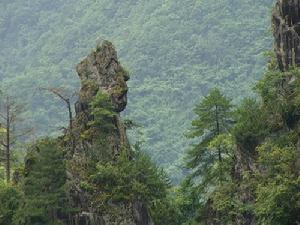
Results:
x,y
214,118
211,159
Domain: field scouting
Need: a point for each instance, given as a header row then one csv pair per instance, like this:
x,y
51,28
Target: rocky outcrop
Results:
x,y
100,72
245,157
103,69
286,29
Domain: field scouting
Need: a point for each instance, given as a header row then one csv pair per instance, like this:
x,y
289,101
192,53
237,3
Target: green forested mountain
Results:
x,y
174,50
192,67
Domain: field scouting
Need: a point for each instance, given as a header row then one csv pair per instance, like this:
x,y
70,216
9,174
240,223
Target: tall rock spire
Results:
x,y
100,74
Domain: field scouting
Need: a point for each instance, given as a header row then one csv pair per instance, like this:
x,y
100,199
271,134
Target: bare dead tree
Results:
x,y
10,117
66,98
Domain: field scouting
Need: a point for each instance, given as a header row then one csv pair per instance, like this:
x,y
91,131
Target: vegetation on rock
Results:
x,y
242,166
175,51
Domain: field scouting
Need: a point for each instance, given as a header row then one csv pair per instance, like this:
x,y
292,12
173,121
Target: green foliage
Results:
x,y
175,50
44,182
165,211
277,189
251,127
260,131
128,180
188,200
281,97
213,115
100,125
213,122
212,160
2,173
103,111
10,198
225,203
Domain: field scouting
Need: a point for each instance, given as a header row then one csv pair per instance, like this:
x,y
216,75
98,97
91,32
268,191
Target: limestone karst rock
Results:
x,y
100,72
286,29
245,162
103,69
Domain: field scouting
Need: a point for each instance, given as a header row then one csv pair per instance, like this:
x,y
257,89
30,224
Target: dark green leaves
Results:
x,y
129,180
251,127
102,110
44,183
213,115
10,198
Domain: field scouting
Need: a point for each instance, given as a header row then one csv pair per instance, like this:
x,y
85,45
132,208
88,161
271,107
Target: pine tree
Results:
x,y
214,119
44,182
211,160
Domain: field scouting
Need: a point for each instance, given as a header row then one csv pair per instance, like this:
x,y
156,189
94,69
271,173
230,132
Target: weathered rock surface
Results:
x,y
103,69
100,72
245,162
286,29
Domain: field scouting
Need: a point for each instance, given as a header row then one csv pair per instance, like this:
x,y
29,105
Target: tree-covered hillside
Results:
x,y
175,52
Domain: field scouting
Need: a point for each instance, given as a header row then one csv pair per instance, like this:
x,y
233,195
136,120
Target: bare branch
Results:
x,y
11,110
57,92
66,98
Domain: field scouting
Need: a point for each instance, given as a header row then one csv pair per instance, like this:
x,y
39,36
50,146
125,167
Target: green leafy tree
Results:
x,y
188,200
281,97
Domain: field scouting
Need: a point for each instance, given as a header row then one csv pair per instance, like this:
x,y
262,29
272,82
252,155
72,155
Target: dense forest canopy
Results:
x,y
175,52
204,103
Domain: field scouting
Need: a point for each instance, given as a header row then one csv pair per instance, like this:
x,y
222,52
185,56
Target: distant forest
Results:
x,y
175,51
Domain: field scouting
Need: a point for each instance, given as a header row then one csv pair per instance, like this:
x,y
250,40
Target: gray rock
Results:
x,y
100,71
286,30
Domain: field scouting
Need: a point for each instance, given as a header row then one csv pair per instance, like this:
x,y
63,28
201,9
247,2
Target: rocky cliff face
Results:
x,y
286,28
100,73
245,162
286,31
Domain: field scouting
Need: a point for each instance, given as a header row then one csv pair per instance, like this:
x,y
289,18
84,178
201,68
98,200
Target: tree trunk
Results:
x,y
218,133
7,146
